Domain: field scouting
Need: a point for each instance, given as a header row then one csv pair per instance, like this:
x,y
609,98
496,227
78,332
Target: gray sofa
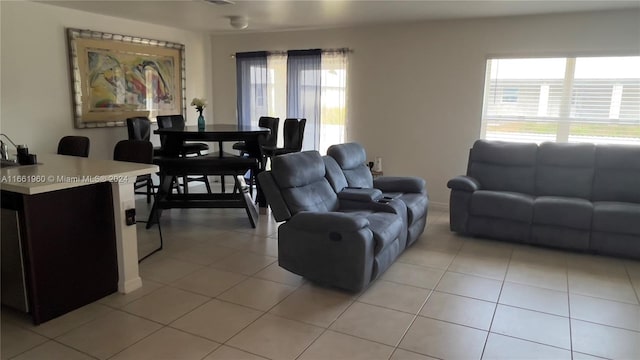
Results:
x,y
574,196
343,238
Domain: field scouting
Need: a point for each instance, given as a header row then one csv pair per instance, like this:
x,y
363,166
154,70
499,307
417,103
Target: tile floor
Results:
x,y
216,292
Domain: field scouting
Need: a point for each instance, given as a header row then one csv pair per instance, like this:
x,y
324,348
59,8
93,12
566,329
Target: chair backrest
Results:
x,y
293,133
138,151
139,128
169,122
352,159
297,183
272,123
74,146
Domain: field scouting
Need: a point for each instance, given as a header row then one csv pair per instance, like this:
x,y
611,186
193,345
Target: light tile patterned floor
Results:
x,y
216,292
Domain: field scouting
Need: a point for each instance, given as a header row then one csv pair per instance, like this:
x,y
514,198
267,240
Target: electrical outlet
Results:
x,y
130,216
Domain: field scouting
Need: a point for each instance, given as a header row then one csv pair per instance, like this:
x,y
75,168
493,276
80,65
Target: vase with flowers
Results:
x,y
199,104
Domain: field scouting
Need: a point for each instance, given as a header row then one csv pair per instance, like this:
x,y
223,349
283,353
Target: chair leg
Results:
x,y
149,185
222,183
185,184
206,183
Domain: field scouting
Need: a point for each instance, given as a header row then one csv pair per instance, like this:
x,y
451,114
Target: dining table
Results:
x,y
173,165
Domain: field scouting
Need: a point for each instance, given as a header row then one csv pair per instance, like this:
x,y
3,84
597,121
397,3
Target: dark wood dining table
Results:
x,y
172,165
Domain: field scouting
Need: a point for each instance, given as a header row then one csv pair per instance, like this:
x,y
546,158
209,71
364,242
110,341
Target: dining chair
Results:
x,y
177,121
187,149
272,123
271,140
139,128
74,146
293,134
138,151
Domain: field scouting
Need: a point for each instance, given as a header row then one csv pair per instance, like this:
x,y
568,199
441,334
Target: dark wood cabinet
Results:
x,y
68,245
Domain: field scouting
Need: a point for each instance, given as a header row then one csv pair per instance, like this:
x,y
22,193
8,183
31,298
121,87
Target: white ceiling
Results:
x,y
278,15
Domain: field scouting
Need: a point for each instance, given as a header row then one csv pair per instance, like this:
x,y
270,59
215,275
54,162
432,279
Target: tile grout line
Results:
x,y
495,310
415,317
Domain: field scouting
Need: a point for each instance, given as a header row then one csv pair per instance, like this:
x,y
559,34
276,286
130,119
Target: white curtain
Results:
x,y
333,99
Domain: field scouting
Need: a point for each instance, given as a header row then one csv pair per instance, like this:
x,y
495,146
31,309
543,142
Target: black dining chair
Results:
x,y
74,146
187,149
272,123
271,141
177,121
138,151
293,134
139,128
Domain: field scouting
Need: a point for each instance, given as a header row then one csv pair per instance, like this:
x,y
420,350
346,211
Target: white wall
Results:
x,y
416,89
36,107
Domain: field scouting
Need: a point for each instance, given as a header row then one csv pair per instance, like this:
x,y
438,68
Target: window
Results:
x,y
296,85
583,99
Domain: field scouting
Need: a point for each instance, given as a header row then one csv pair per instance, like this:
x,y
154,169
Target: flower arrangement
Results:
x,y
199,104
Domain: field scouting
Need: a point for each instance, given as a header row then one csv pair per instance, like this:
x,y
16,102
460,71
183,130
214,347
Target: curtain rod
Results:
x,y
284,52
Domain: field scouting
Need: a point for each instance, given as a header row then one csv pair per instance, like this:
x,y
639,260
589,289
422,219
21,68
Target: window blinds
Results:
x,y
589,99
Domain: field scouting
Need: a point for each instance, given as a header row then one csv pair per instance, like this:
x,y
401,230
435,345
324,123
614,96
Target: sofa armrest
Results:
x,y
327,221
464,183
360,194
405,184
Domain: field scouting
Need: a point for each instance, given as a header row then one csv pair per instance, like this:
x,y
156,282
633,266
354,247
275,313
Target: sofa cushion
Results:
x,y
417,205
502,204
573,213
565,169
617,173
503,166
386,228
616,217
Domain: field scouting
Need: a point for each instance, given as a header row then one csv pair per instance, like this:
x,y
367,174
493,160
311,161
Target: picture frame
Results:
x,y
115,77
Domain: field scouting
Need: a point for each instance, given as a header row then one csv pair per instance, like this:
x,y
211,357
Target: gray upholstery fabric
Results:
x,y
272,193
587,197
464,183
369,194
565,169
560,237
617,173
324,240
297,169
615,244
561,222
500,229
616,217
351,158
385,228
400,184
573,213
502,205
334,174
503,166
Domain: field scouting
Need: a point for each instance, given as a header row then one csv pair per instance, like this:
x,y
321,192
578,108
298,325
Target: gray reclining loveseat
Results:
x,y
351,158
344,239
575,196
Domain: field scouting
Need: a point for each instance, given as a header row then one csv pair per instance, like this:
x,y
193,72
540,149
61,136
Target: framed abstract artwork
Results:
x,y
114,77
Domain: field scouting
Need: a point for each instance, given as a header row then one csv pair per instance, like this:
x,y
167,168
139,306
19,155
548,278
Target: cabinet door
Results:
x,y
71,249
14,288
